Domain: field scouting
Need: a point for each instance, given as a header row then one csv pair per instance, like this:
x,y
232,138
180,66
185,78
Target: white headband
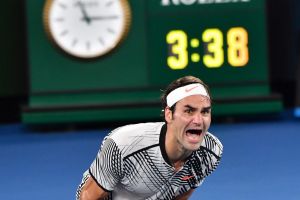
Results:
x,y
185,91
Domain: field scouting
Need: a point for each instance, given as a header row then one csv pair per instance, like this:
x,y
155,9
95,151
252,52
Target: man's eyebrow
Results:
x,y
207,108
192,107
189,106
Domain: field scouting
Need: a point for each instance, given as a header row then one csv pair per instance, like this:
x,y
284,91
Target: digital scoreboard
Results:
x,y
212,39
223,42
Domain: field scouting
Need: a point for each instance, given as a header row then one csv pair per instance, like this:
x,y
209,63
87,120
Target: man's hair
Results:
x,y
186,80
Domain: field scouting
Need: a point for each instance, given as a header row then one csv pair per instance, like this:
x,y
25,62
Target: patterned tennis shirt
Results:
x,y
132,164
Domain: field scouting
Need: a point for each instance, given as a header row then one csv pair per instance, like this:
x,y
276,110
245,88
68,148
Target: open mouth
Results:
x,y
196,132
193,135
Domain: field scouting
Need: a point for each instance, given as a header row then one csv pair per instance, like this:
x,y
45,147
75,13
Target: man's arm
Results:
x,y
186,195
91,191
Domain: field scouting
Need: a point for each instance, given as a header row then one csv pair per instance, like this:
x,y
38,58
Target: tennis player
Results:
x,y
158,160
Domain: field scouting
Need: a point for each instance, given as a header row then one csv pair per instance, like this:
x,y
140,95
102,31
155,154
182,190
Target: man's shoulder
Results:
x,y
137,129
134,137
213,144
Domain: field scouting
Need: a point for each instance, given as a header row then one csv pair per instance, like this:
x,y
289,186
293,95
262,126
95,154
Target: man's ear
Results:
x,y
168,114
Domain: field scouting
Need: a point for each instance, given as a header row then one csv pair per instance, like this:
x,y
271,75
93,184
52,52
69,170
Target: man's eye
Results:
x,y
206,111
189,111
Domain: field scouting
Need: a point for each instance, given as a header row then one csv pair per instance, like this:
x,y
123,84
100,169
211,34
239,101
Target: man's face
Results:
x,y
190,121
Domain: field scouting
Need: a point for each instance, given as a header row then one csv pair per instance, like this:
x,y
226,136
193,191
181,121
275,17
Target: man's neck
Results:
x,y
175,151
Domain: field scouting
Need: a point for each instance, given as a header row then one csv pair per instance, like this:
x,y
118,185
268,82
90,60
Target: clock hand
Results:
x,y
103,17
85,17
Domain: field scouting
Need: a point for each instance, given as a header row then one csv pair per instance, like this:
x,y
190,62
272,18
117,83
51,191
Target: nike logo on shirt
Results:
x,y
185,178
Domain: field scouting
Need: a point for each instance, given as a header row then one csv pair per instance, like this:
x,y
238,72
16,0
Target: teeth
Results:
x,y
194,131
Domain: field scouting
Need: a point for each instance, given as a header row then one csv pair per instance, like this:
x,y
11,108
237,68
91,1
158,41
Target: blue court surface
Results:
x,y
261,161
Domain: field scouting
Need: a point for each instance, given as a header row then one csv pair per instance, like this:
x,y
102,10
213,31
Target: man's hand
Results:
x,y
185,196
91,191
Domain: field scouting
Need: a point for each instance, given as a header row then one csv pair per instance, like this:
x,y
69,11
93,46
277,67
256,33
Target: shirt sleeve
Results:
x,y
212,154
206,160
106,169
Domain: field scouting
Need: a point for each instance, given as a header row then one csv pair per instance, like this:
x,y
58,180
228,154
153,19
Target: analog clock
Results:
x,y
87,28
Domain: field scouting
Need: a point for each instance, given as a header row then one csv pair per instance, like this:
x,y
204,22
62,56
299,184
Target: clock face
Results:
x,y
87,28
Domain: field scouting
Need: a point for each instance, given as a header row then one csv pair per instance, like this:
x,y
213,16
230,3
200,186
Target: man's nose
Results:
x,y
198,119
